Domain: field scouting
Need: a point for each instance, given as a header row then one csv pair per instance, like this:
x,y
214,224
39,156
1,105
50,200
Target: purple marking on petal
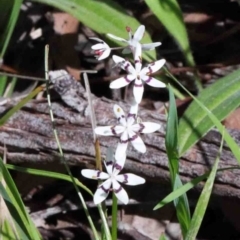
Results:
x,y
113,130
125,178
141,127
108,163
131,115
104,189
150,70
138,85
117,166
127,66
134,137
98,173
118,190
148,80
124,141
137,61
127,80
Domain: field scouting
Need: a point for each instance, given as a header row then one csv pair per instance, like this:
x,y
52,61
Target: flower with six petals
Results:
x,y
138,74
129,132
134,39
112,179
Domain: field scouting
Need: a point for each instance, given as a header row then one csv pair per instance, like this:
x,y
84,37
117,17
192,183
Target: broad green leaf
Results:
x,y
212,105
170,14
103,16
203,201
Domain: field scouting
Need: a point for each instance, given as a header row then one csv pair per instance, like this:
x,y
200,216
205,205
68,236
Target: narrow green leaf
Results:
x,y
16,206
105,16
219,99
180,191
9,12
171,142
203,201
50,174
20,105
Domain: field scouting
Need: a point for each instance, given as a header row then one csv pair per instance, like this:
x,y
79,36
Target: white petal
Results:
x,y
132,114
138,57
139,33
109,165
122,82
105,54
138,90
97,39
124,64
98,46
130,179
116,38
137,142
122,146
120,193
120,115
146,127
153,67
102,192
94,174
105,131
118,129
119,164
153,82
150,46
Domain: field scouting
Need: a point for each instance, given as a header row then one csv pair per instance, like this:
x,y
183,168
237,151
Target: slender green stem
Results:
x,y
101,207
114,217
96,236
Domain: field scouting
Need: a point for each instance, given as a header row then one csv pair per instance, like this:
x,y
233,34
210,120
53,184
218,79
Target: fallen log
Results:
x,y
28,137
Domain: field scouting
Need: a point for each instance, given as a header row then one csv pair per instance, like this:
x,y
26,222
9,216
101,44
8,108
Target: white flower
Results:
x,y
101,49
138,74
134,39
129,132
112,179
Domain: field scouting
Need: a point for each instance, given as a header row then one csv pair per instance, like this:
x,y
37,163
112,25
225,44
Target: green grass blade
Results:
x,y
9,12
219,99
17,226
203,201
20,105
171,142
180,191
105,16
186,187
15,205
50,174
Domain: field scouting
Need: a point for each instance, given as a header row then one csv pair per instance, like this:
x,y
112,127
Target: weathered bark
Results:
x,y
28,137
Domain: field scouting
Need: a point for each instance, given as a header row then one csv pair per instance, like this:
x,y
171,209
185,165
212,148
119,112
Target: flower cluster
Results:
x,y
128,129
